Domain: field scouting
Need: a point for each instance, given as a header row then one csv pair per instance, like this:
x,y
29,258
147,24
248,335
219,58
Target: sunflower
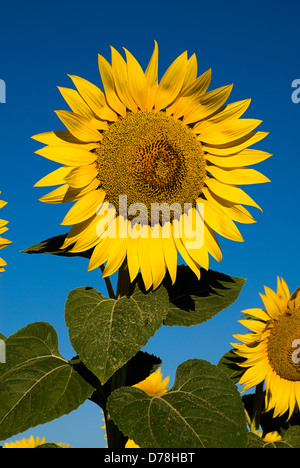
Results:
x,y
272,350
168,150
153,385
3,242
31,443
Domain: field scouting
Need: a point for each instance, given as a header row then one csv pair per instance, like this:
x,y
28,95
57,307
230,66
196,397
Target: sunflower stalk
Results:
x,y
115,438
257,408
108,284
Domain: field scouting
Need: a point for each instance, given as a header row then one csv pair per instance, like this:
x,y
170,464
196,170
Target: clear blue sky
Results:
x,y
253,44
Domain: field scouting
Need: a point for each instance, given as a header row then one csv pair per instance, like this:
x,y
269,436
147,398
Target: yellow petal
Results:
x,y
224,132
109,86
171,82
95,98
240,176
56,177
225,113
235,212
81,176
209,103
4,242
143,247
117,252
230,193
169,250
191,74
79,126
64,193
119,70
257,313
151,75
212,244
199,86
220,222
235,146
83,235
271,305
157,261
100,253
189,98
132,258
246,157
182,250
67,156
59,195
62,138
76,103
136,81
282,290
85,208
3,222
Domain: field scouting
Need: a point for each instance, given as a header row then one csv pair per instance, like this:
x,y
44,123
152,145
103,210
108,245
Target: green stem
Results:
x,y
109,287
115,438
123,280
257,407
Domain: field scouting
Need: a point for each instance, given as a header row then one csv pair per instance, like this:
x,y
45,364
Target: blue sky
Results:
x,y
251,44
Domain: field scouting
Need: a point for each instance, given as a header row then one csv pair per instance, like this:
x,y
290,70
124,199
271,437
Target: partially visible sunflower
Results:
x,y
153,385
272,349
31,443
271,436
170,144
3,242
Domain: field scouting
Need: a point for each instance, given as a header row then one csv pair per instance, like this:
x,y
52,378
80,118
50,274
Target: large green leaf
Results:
x,y
106,333
203,409
194,301
37,384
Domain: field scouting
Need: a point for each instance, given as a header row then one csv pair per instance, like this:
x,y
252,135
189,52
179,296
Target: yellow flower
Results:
x,y
152,166
271,436
154,385
31,443
272,349
3,242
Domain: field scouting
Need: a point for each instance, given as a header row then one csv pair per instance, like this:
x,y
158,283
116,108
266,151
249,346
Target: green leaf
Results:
x,y
37,384
202,410
229,363
194,301
53,246
106,333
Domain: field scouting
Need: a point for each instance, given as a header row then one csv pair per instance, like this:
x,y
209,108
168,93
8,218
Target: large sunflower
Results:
x,y
272,350
3,242
142,144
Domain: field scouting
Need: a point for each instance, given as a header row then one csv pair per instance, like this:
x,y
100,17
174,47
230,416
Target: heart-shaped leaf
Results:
x,y
202,410
194,301
106,333
37,384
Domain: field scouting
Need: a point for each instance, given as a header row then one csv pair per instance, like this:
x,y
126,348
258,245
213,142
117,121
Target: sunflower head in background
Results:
x,y
143,144
272,349
3,242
